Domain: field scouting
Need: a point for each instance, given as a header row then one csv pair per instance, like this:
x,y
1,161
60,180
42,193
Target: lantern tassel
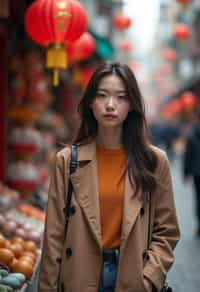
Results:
x,y
56,59
55,77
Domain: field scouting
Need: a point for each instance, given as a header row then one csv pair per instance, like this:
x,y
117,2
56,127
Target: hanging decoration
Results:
x,y
51,23
173,108
182,31
121,22
125,46
86,74
185,3
81,49
169,54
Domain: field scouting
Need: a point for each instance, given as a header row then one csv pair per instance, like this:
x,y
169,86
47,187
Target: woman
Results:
x,y
122,186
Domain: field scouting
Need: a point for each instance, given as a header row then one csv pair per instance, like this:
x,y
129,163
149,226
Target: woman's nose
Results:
x,y
110,102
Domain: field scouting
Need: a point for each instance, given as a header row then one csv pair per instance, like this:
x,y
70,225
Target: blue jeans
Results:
x,y
108,276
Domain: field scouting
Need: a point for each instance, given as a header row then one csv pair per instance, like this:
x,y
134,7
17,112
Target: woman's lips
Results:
x,y
109,116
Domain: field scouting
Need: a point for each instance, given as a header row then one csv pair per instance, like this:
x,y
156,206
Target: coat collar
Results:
x,y
85,182
86,152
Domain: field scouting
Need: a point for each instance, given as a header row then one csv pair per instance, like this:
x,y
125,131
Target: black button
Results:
x,y
65,210
69,252
72,210
62,286
58,260
145,255
142,211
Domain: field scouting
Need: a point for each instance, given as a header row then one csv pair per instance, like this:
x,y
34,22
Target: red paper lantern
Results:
x,y
52,23
166,112
189,100
82,48
126,46
182,31
169,54
184,2
163,70
121,21
86,74
176,106
173,108
133,65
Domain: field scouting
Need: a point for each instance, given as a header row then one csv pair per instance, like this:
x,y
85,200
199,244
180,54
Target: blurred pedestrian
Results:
x,y
123,225
191,164
170,134
156,129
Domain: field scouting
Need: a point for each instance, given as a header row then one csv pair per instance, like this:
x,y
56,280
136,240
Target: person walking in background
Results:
x,y
123,225
191,164
170,134
164,134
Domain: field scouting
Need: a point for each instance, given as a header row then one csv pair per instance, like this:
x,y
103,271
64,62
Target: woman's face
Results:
x,y
110,106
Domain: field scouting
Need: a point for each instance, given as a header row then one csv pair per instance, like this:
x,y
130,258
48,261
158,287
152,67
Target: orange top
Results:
x,y
110,165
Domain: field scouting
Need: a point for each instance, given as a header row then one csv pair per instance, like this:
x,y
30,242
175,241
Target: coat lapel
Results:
x,y
132,206
85,183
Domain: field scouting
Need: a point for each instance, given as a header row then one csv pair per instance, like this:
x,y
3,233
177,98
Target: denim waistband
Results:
x,y
111,255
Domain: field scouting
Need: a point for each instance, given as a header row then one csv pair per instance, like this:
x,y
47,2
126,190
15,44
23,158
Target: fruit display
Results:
x,y
19,260
24,221
8,198
11,281
21,231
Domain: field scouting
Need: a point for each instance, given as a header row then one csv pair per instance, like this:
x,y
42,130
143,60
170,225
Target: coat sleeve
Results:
x,y
165,230
54,227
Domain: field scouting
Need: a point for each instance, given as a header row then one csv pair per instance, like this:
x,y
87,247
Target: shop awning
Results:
x,y
104,48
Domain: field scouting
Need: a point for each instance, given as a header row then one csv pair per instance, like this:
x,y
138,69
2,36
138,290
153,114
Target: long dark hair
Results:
x,y
142,161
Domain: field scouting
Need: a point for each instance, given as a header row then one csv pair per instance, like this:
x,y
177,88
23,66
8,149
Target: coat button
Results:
x,y
72,210
69,252
62,286
58,260
142,211
145,255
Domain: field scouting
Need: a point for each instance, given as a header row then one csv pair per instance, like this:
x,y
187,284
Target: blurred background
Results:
x,y
43,72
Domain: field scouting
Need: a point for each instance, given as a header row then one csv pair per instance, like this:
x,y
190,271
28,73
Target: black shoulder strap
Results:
x,y
73,166
73,161
149,224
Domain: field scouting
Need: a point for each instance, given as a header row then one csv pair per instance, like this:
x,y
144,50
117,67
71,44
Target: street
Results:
x,y
184,275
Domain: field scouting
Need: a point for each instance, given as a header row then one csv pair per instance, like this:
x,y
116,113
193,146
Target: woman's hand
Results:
x,y
148,285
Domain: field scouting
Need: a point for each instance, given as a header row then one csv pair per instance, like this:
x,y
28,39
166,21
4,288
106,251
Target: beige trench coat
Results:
x,y
78,257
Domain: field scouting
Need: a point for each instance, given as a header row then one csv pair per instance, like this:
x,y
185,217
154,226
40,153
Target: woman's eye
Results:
x,y
122,97
101,95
